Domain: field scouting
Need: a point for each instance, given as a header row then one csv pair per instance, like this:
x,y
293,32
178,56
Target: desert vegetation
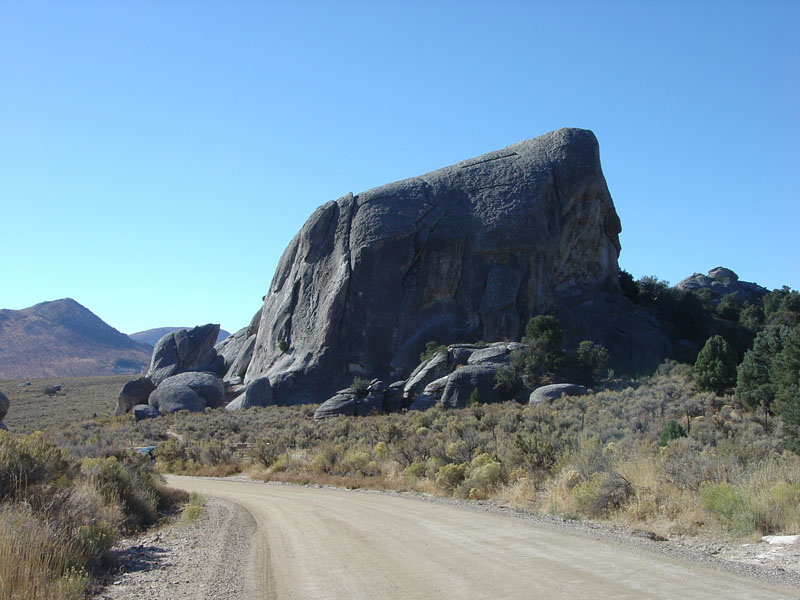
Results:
x,y
60,514
79,399
707,446
654,453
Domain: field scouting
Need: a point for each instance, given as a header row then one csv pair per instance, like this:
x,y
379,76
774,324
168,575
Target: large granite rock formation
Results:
x,y
465,253
721,282
185,350
182,375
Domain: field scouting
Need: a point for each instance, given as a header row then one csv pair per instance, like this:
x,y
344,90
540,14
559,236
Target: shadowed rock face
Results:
x,y
4,405
464,253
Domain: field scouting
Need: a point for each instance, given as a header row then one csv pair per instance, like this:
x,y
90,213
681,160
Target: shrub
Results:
x,y
672,431
431,348
359,386
115,483
266,453
613,490
590,361
449,476
30,462
194,509
729,504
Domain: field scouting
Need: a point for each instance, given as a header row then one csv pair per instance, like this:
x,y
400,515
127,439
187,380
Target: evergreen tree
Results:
x,y
754,383
715,368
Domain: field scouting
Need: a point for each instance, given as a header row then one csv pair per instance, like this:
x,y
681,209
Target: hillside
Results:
x,y
64,338
151,336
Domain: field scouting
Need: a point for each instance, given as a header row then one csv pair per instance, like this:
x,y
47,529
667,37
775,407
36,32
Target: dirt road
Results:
x,y
324,543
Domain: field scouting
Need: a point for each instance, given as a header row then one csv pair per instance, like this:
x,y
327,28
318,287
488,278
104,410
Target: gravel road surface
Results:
x,y
325,543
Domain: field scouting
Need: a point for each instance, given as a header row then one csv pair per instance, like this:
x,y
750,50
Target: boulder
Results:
x,y
258,393
436,387
350,403
185,350
371,404
144,411
499,353
722,282
436,367
4,404
465,380
464,253
458,354
393,398
192,391
132,393
555,391
342,403
205,385
238,403
172,398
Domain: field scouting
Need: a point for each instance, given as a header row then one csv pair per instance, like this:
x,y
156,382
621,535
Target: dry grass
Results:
x,y
80,398
36,562
598,457
59,515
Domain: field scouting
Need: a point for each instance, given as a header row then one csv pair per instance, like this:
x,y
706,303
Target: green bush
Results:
x,y
115,483
431,348
30,462
359,386
672,431
729,504
449,476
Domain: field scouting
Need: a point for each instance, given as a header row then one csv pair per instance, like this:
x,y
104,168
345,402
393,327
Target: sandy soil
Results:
x,y
280,541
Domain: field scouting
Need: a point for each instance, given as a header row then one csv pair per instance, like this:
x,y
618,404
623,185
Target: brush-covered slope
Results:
x,y
64,338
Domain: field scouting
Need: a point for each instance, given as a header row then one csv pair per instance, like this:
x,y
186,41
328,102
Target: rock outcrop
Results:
x,y
134,392
258,393
349,402
721,282
465,253
548,393
185,350
144,411
187,391
4,405
182,376
451,376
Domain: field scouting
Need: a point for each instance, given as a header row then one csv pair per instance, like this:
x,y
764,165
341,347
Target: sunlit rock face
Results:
x,y
467,252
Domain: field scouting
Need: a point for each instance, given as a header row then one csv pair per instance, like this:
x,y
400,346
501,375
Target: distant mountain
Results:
x,y
151,336
61,339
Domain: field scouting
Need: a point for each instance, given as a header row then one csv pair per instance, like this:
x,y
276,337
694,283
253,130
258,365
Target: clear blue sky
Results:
x,y
157,157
